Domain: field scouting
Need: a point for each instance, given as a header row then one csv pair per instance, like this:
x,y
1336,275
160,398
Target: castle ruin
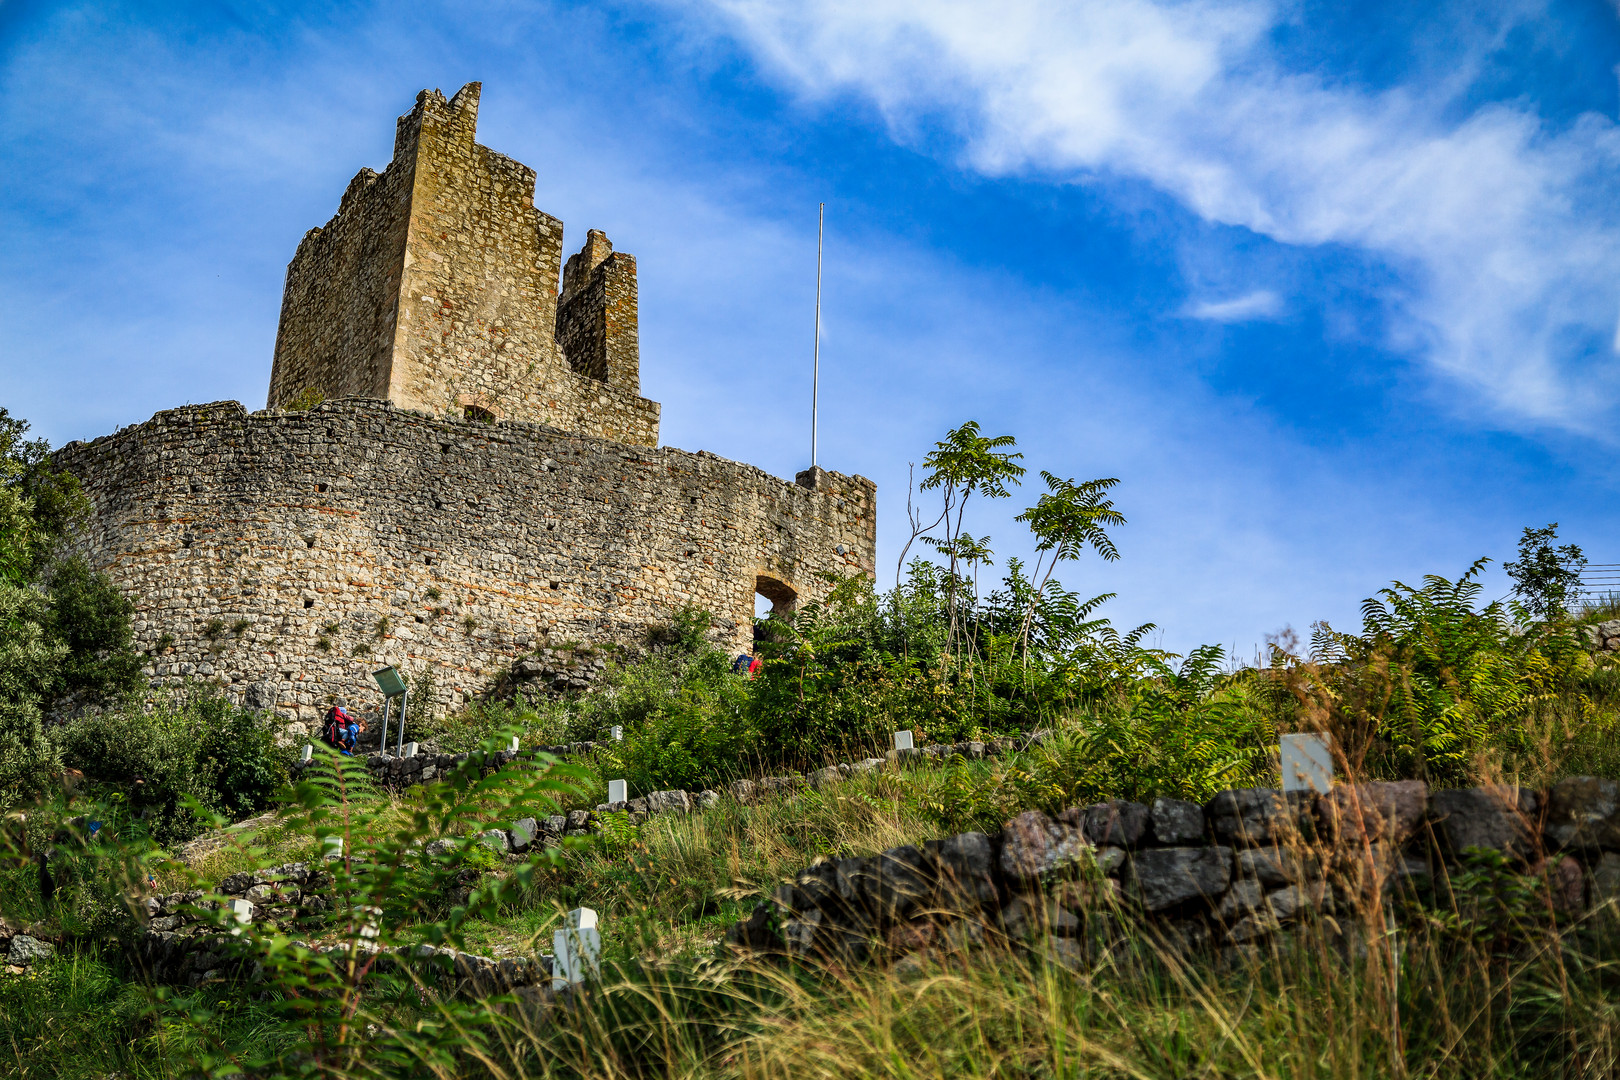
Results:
x,y
455,467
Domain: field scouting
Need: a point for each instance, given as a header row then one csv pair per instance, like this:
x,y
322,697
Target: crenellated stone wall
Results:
x,y
435,287
286,555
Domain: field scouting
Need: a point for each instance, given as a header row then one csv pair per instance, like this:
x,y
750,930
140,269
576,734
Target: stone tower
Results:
x,y
435,287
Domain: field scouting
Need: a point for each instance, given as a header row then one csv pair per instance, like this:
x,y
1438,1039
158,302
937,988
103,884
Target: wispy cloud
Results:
x,y
1501,227
1260,304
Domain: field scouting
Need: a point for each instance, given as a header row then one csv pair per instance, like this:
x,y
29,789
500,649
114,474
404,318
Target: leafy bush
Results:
x,y
202,747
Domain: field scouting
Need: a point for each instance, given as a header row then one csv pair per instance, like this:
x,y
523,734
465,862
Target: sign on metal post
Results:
x,y
618,791
902,740
389,681
1307,763
576,948
392,684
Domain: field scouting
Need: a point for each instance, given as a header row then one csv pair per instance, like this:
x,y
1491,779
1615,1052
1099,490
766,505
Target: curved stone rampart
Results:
x,y
286,555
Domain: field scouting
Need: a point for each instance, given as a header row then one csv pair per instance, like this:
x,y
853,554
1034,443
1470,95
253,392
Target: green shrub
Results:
x,y
201,747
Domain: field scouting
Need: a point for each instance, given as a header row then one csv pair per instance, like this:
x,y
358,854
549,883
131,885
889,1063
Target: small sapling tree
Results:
x,y
1545,578
961,466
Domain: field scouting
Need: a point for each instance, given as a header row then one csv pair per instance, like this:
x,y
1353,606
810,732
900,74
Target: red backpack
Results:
x,y
335,730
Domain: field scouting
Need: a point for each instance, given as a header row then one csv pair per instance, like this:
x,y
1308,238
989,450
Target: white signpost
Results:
x,y
1307,763
618,733
902,740
618,791
309,752
332,847
514,747
576,948
411,749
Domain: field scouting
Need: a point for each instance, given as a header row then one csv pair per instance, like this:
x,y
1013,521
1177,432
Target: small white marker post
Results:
x,y
618,733
576,948
1307,763
332,847
618,791
309,752
242,913
514,746
902,740
411,749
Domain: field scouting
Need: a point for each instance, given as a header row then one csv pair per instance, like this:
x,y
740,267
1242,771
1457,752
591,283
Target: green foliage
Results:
x,y
1433,687
30,666
92,618
197,748
1545,578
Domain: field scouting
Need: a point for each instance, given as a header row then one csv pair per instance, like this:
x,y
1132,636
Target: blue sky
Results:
x,y
1331,289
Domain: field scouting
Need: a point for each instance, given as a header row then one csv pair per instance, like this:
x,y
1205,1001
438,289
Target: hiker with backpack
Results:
x,y
342,731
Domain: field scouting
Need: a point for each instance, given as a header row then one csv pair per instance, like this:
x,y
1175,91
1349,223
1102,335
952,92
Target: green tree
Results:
x,y
964,464
1545,577
1067,519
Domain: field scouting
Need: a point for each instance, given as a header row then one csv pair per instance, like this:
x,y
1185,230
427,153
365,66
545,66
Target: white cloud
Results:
x,y
1500,227
1260,304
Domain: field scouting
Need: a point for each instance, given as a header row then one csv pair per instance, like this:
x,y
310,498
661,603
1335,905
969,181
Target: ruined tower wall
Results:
x,y
336,334
597,320
288,554
435,288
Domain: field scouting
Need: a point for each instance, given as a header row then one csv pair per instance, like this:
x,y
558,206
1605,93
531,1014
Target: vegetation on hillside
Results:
x,y
1435,684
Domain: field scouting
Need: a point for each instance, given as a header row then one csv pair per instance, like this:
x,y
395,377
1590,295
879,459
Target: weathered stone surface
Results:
x,y
742,790
1497,818
665,802
1109,860
1273,866
1583,813
1606,879
237,884
1034,845
966,870
524,833
1029,916
1253,816
1177,822
1116,823
25,949
1387,812
1166,877
904,880
1243,897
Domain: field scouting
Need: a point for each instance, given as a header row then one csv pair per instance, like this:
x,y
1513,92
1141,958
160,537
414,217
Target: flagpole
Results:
x,y
815,371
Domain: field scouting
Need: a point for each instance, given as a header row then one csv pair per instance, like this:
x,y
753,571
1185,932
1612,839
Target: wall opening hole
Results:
x,y
308,604
309,541
556,584
773,597
476,412
320,487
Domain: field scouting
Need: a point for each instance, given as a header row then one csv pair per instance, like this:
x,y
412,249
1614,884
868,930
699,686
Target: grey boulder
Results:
x,y
1166,877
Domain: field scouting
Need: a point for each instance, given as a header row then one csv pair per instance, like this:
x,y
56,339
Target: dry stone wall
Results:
x,y
286,555
1241,869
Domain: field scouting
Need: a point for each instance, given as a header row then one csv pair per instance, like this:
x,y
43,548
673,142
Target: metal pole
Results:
x,y
382,744
815,371
403,700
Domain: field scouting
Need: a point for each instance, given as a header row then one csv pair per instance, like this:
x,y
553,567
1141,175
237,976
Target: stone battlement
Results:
x,y
435,287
